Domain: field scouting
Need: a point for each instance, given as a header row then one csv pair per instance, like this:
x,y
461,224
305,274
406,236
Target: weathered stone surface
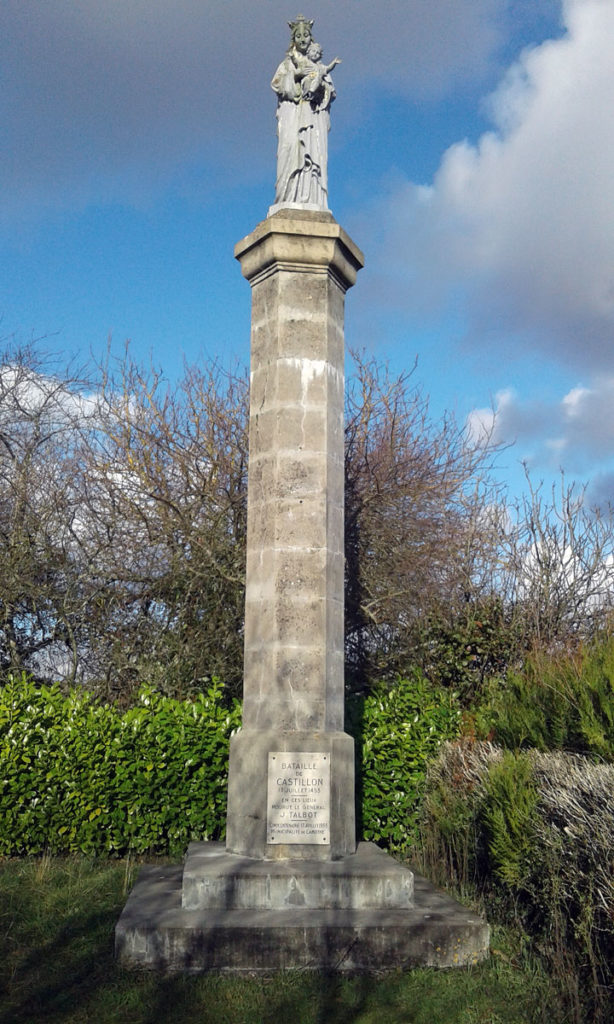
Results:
x,y
246,834
155,932
260,904
217,880
299,265
300,239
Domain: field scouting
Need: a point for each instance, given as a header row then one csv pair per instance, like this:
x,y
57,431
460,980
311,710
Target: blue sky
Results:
x,y
471,158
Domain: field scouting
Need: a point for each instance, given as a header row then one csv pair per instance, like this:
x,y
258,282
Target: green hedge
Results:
x,y
398,728
79,775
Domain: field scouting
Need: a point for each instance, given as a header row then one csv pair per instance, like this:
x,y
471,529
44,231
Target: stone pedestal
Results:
x,y
248,791
369,879
254,917
290,889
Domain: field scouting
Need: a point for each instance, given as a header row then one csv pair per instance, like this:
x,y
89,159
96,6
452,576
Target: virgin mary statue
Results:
x,y
304,94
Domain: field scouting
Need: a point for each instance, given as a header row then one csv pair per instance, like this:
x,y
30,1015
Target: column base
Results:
x,y
246,831
155,932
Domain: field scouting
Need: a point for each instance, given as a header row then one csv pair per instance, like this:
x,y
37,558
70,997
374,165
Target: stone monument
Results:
x,y
291,888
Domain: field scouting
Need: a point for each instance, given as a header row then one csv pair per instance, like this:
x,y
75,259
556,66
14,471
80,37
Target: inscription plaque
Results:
x,y
298,798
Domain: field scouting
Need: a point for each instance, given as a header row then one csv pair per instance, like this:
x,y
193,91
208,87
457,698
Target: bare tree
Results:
x,y
123,521
558,561
122,524
419,535
41,471
166,514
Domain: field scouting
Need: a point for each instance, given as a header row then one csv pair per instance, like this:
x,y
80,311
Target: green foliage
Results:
x,y
464,651
508,814
563,702
78,775
448,826
397,729
534,833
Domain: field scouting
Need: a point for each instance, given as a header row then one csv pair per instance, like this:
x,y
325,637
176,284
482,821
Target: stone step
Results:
x,y
155,932
218,880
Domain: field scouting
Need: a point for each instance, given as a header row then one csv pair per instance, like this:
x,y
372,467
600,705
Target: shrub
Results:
x,y
397,729
556,703
537,834
78,775
451,844
81,775
466,650
508,815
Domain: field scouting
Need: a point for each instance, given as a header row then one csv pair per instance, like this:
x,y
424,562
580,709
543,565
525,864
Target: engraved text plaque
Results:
x,y
298,798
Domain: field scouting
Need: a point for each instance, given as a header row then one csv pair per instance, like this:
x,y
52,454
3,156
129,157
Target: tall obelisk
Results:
x,y
299,264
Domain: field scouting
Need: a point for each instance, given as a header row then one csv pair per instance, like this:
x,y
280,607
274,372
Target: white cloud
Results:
x,y
486,424
521,225
481,425
588,418
108,100
574,433
574,400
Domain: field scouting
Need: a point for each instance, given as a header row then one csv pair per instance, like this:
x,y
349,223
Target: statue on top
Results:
x,y
305,92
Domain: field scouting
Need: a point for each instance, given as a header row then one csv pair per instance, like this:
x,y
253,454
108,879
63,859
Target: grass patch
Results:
x,y
57,917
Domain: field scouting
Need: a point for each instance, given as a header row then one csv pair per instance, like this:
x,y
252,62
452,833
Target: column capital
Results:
x,y
299,240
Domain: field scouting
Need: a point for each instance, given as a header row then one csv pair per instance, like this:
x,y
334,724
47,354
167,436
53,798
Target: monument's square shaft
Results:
x,y
299,267
299,264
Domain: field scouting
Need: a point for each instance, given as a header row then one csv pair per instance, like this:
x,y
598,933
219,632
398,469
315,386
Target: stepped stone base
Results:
x,y
156,932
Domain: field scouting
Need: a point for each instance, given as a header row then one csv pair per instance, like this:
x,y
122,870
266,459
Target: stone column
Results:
x,y
299,265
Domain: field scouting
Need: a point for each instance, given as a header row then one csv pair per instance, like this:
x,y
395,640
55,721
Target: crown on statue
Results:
x,y
301,20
